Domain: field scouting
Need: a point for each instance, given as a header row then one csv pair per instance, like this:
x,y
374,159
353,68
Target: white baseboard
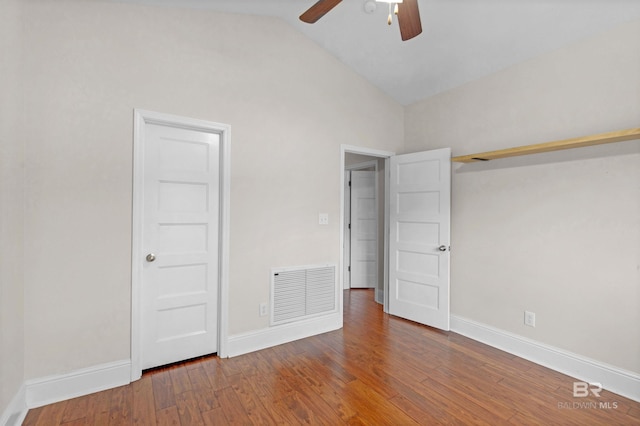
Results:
x,y
622,382
15,413
58,388
240,344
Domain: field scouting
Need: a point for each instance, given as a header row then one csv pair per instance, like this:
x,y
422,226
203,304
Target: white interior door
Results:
x,y
364,230
419,224
180,272
346,282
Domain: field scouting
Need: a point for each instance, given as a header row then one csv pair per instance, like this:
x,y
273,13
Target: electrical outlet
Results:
x,y
263,310
529,318
323,218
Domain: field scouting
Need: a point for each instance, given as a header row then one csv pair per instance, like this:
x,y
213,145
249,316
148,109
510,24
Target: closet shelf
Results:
x,y
617,136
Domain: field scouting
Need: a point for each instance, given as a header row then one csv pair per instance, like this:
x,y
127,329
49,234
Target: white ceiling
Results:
x,y
462,40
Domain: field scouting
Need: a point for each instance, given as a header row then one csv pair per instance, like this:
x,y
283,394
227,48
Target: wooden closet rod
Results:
x,y
617,136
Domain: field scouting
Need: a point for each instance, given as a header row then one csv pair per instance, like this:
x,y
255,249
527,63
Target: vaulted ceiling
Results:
x,y
462,40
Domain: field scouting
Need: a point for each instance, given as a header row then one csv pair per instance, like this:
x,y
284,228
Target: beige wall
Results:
x,y
557,234
290,105
11,206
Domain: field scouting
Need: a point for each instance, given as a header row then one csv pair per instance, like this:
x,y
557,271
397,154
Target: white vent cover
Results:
x,y
301,292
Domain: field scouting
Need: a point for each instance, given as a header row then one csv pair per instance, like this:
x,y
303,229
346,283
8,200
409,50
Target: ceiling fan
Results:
x,y
407,11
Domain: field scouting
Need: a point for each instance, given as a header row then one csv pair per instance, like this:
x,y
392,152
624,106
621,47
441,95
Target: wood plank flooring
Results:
x,y
377,370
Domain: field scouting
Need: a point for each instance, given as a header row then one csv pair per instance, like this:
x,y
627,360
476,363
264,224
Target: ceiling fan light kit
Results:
x,y
406,10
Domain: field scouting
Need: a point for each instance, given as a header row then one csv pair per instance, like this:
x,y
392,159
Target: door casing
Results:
x,y
141,118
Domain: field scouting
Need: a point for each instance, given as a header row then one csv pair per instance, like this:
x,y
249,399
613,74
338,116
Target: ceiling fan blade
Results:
x,y
409,19
318,10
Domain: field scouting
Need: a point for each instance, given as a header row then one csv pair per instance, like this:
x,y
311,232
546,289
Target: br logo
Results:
x,y
582,389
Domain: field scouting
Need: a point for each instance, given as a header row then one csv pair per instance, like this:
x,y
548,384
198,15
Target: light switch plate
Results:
x,y
529,318
323,218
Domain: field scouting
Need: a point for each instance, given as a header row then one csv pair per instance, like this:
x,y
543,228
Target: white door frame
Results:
x,y
141,118
372,153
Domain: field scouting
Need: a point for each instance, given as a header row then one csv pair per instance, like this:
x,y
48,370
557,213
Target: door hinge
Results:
x,y
349,226
349,269
349,183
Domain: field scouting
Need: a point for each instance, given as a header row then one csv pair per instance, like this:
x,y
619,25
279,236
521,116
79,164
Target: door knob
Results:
x,y
441,248
151,257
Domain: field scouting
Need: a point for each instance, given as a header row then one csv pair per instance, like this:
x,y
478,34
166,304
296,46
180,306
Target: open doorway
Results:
x,y
364,210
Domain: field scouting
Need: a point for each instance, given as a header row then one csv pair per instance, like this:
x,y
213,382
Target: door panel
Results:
x,y
346,283
180,228
419,222
364,230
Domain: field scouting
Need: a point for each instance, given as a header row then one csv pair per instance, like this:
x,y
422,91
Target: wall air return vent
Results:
x,y
298,293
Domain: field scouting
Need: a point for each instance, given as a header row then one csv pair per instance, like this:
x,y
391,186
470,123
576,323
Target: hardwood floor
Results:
x,y
377,370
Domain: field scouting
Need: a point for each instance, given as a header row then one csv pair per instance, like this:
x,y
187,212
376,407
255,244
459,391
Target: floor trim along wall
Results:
x,y
261,339
15,413
57,388
625,383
